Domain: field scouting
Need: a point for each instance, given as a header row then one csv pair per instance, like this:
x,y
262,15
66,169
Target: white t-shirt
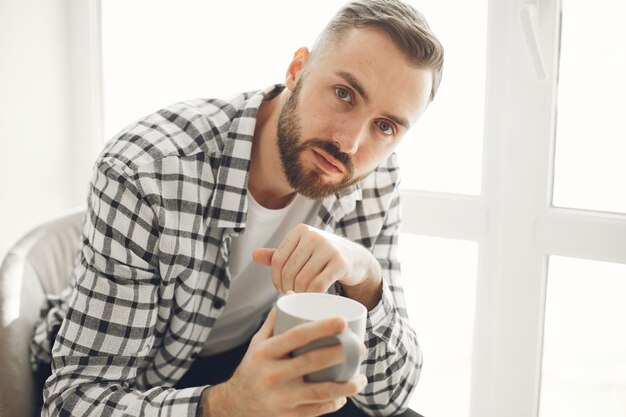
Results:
x,y
251,288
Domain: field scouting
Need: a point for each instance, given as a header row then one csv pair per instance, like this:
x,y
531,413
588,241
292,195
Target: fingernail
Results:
x,y
363,381
363,350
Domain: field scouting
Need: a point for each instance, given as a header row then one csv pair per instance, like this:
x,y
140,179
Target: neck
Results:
x,y
267,181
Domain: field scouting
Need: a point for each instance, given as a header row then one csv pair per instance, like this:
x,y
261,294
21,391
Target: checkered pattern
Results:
x,y
152,277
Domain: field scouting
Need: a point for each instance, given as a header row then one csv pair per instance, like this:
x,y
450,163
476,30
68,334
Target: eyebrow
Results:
x,y
398,120
356,85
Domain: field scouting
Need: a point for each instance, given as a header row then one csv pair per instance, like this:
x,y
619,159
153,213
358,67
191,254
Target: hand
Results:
x,y
311,260
270,383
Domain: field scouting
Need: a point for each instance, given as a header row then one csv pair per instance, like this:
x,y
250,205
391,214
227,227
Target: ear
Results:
x,y
300,58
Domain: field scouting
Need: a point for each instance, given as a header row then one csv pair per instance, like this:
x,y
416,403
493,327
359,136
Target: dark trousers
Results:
x,y
215,369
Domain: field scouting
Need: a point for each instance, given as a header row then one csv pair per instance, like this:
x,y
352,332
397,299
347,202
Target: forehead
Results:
x,y
368,54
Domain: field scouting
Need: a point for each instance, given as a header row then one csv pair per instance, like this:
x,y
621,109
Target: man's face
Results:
x,y
348,113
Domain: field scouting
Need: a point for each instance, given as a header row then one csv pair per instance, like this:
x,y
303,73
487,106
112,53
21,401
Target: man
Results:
x,y
168,313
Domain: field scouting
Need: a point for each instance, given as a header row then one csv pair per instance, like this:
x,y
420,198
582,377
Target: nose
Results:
x,y
350,136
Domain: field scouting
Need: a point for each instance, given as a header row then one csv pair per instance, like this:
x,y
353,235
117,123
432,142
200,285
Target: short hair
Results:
x,y
406,26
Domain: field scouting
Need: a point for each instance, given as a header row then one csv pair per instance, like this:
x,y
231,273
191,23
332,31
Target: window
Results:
x,y
584,360
590,171
443,152
439,279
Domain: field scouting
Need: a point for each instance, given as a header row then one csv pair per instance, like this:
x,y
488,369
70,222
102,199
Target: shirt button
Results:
x,y
218,303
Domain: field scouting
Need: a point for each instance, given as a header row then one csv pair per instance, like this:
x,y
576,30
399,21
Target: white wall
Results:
x,y
45,139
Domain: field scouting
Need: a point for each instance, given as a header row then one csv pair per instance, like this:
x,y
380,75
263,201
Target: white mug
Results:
x,y
295,309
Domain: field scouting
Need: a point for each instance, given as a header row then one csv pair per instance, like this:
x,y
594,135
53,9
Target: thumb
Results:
x,y
263,256
267,330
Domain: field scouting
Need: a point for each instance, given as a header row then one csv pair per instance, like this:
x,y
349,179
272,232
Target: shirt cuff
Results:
x,y
381,314
183,402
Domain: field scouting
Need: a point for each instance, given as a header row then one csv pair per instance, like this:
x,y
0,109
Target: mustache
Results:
x,y
332,149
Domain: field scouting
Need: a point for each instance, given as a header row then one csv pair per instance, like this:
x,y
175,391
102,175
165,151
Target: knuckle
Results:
x,y
298,336
318,286
332,406
329,327
317,238
339,402
258,355
302,228
279,256
321,392
352,388
340,263
271,378
288,270
301,282
313,360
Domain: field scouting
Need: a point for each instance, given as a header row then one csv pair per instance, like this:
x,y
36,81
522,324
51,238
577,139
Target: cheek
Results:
x,y
320,118
320,126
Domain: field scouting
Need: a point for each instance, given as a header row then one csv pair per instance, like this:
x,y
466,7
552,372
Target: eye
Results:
x,y
386,128
343,94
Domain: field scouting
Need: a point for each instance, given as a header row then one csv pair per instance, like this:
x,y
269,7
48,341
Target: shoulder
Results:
x,y
193,129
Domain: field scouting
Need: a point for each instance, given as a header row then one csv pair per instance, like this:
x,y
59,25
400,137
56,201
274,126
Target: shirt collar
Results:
x,y
229,204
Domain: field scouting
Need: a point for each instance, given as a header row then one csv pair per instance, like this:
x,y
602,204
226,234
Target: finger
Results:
x,y
303,334
298,258
311,410
281,255
318,409
332,272
267,329
263,256
313,361
327,391
314,266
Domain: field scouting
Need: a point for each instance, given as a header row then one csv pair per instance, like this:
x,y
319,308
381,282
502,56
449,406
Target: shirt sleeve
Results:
x,y
394,358
109,328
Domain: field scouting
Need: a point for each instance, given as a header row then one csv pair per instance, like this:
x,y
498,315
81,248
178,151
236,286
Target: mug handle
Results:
x,y
352,349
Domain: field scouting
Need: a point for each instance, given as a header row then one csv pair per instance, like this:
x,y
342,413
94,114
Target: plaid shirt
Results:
x,y
152,278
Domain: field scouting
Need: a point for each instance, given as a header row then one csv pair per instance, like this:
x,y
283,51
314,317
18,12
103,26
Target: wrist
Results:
x,y
214,401
369,291
201,410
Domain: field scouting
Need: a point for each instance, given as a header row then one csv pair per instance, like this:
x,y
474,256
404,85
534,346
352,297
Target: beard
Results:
x,y
310,182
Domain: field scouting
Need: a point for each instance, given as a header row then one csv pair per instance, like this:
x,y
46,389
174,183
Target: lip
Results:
x,y
328,162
